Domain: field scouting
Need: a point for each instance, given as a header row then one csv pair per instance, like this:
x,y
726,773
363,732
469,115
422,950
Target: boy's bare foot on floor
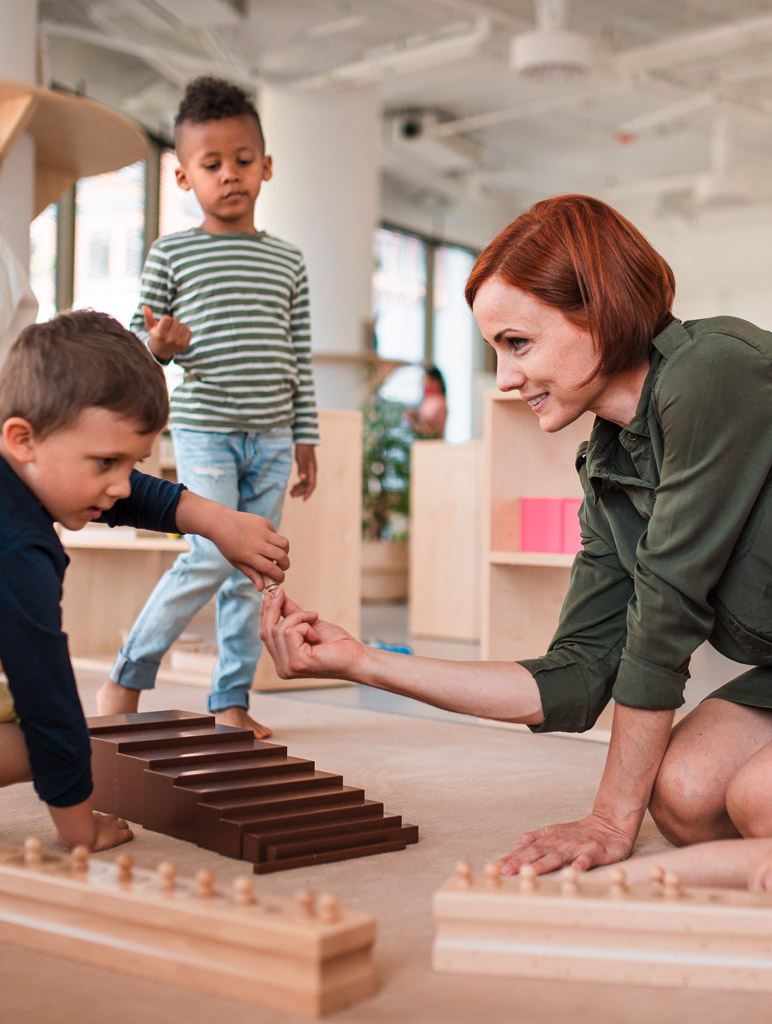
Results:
x,y
114,699
240,719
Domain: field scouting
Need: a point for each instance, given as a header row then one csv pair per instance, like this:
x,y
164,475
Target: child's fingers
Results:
x,y
150,321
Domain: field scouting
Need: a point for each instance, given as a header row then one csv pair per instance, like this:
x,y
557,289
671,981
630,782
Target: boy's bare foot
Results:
x,y
114,699
240,719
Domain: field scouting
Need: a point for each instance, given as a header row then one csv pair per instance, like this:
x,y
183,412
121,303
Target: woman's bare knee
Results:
x,y
709,748
749,796
688,808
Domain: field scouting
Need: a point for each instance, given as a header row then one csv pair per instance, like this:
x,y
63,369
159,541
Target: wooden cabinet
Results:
x,y
522,591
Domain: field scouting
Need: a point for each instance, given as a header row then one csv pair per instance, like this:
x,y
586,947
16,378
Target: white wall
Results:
x,y
722,262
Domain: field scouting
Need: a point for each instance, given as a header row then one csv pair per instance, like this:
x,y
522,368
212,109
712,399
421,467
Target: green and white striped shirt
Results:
x,y
244,297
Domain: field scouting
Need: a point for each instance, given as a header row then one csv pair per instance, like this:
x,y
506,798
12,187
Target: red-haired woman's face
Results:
x,y
542,355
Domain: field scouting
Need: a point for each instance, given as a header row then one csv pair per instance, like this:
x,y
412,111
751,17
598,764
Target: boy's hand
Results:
x,y
305,457
168,336
250,543
247,540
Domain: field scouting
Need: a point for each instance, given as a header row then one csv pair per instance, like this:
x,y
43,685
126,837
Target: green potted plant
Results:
x,y
386,440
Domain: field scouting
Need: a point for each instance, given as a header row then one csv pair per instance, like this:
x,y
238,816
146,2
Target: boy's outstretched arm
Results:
x,y
247,540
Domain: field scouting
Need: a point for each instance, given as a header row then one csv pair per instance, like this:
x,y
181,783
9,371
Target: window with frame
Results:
x,y
109,220
421,318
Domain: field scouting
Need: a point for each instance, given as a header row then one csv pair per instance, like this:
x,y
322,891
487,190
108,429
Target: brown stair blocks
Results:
x,y
180,773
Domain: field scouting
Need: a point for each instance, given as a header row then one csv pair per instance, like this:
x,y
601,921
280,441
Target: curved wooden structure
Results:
x,y
74,138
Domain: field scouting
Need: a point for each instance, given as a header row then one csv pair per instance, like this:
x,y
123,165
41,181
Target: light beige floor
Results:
x,y
472,790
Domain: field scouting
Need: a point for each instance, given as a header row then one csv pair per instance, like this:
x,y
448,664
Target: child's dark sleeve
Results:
x,y
152,505
35,658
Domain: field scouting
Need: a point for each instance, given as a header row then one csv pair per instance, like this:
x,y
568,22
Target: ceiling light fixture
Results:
x,y
550,52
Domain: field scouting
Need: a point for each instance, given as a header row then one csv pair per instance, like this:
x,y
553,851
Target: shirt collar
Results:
x,y
606,436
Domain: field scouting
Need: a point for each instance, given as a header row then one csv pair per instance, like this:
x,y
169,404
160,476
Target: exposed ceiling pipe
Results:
x,y
710,42
670,112
413,54
551,15
719,187
149,52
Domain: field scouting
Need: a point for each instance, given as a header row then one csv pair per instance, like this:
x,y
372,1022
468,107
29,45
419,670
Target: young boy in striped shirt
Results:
x,y
229,304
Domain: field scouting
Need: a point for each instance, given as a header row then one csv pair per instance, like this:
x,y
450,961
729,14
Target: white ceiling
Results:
x,y
675,110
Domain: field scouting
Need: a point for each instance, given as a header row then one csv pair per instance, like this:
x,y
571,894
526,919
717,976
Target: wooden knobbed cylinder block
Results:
x,y
186,932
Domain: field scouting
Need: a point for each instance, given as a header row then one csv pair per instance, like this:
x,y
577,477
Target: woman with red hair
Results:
x,y
676,539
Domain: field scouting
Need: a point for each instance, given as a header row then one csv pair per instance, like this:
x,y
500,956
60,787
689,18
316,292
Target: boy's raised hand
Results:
x,y
251,544
168,336
247,540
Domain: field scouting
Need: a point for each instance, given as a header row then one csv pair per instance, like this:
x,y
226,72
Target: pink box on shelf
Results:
x,y
572,537
541,524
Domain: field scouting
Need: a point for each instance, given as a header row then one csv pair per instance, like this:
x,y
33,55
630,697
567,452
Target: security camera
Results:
x,y
411,127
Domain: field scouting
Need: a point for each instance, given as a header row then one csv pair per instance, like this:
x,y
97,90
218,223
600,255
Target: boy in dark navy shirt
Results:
x,y
81,401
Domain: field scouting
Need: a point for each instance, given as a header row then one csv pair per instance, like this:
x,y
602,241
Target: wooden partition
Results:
x,y
446,497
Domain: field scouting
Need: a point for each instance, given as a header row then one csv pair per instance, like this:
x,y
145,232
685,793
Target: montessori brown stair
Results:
x,y
180,773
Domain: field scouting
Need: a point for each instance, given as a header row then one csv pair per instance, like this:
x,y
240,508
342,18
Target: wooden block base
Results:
x,y
570,928
303,956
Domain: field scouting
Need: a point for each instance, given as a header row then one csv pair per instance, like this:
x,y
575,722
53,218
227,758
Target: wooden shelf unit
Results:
x,y
522,591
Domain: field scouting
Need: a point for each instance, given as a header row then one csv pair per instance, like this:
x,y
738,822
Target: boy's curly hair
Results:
x,y
211,99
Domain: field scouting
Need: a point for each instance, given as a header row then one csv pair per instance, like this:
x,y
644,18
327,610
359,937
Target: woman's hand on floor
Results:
x,y
583,844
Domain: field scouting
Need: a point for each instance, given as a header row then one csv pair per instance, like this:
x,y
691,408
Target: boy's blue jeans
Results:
x,y
246,471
